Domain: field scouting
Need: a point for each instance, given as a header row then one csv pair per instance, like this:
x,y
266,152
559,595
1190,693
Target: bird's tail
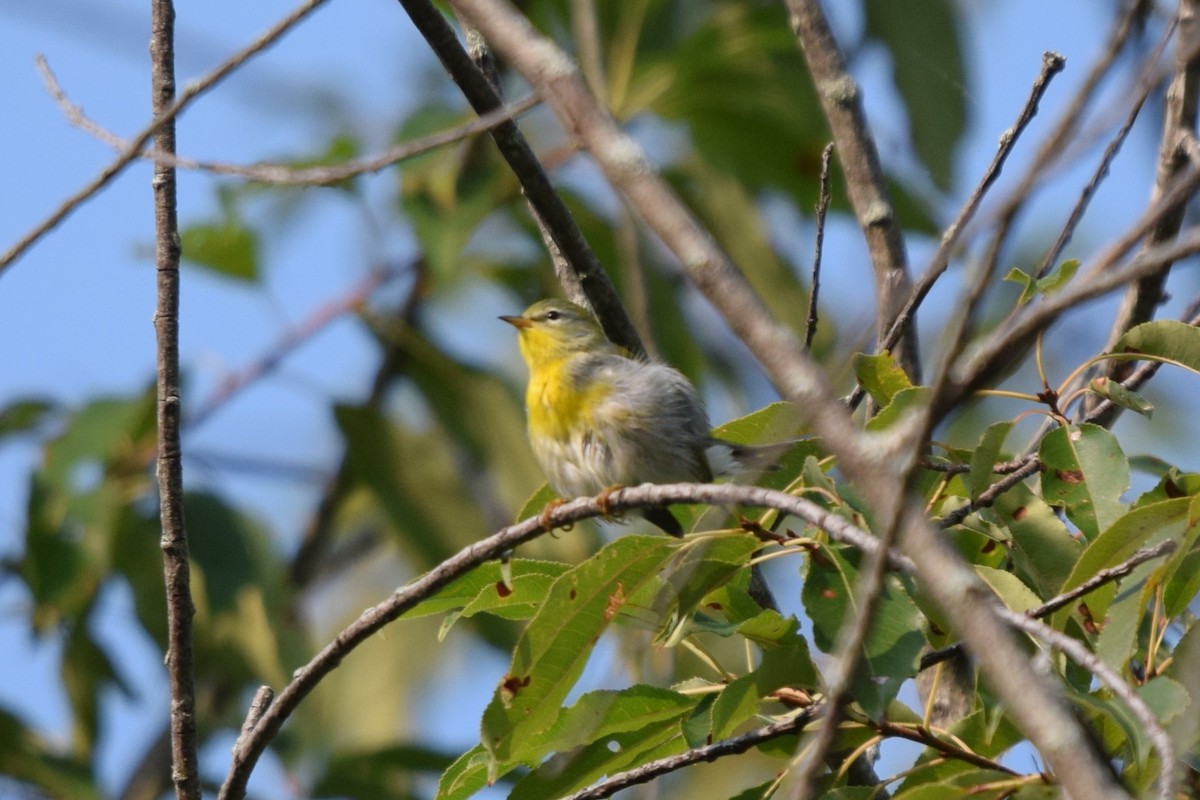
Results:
x,y
730,458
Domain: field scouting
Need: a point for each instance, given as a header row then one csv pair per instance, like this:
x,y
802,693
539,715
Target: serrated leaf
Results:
x,y
227,248
1085,472
555,646
487,579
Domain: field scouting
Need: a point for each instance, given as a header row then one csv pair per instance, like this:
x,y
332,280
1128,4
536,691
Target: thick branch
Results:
x,y
176,575
589,280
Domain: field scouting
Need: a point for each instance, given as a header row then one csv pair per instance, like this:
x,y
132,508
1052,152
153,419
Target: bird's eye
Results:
x,y
553,315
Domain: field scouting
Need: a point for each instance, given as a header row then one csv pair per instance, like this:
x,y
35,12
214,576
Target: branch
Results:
x,y
554,76
587,281
176,572
131,153
866,183
1077,651
1052,64
709,752
255,740
810,329
285,174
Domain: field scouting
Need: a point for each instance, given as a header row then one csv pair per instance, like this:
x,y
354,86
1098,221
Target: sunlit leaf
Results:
x,y
881,376
1169,340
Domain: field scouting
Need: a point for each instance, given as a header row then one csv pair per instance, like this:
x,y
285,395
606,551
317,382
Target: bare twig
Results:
x,y
286,174
138,143
709,752
587,282
176,573
1077,651
1029,466
929,739
1052,64
866,183
810,329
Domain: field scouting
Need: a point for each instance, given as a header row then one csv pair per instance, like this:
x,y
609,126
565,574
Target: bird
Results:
x,y
600,417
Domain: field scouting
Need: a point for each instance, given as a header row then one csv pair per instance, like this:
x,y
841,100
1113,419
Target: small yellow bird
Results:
x,y
600,418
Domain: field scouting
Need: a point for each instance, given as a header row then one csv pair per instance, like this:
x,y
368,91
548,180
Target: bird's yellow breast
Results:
x,y
559,403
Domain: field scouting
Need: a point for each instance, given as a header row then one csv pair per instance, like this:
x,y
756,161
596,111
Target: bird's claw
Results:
x,y
544,519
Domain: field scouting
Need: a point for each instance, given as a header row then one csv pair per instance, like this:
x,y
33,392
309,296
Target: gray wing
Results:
x,y
660,429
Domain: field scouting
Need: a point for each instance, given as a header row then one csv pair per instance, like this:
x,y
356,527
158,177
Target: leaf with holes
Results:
x,y
1085,472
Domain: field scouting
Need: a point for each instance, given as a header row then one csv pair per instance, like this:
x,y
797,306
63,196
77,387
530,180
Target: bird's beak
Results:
x,y
517,322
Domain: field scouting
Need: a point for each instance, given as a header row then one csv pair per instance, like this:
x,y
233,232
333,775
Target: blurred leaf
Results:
x,y
880,376
556,644
86,671
226,247
383,772
985,456
904,402
1032,287
1111,390
24,758
927,65
895,636
1171,341
232,551
342,148
1085,472
1185,670
22,416
466,776
698,568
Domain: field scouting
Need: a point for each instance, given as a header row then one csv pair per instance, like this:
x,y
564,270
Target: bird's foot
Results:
x,y
604,499
544,519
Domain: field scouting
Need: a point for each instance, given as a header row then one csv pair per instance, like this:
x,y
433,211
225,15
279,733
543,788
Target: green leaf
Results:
x,y
1043,551
695,571
1149,524
781,667
486,579
894,639
1042,286
555,646
1185,670
924,38
1009,588
1171,341
1084,471
21,416
381,772
985,456
1114,391
227,248
880,376
904,401
466,776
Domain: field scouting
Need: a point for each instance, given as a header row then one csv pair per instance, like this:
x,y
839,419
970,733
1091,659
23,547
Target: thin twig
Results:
x,y
289,342
1077,651
866,183
138,143
1052,64
958,330
929,739
810,329
176,573
286,174
709,752
1066,598
587,281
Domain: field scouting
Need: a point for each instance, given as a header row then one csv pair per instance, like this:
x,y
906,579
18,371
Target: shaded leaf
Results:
x,y
1169,340
1085,472
881,376
1114,391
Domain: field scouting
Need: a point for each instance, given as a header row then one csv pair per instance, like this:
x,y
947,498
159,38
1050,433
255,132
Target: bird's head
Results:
x,y
551,330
